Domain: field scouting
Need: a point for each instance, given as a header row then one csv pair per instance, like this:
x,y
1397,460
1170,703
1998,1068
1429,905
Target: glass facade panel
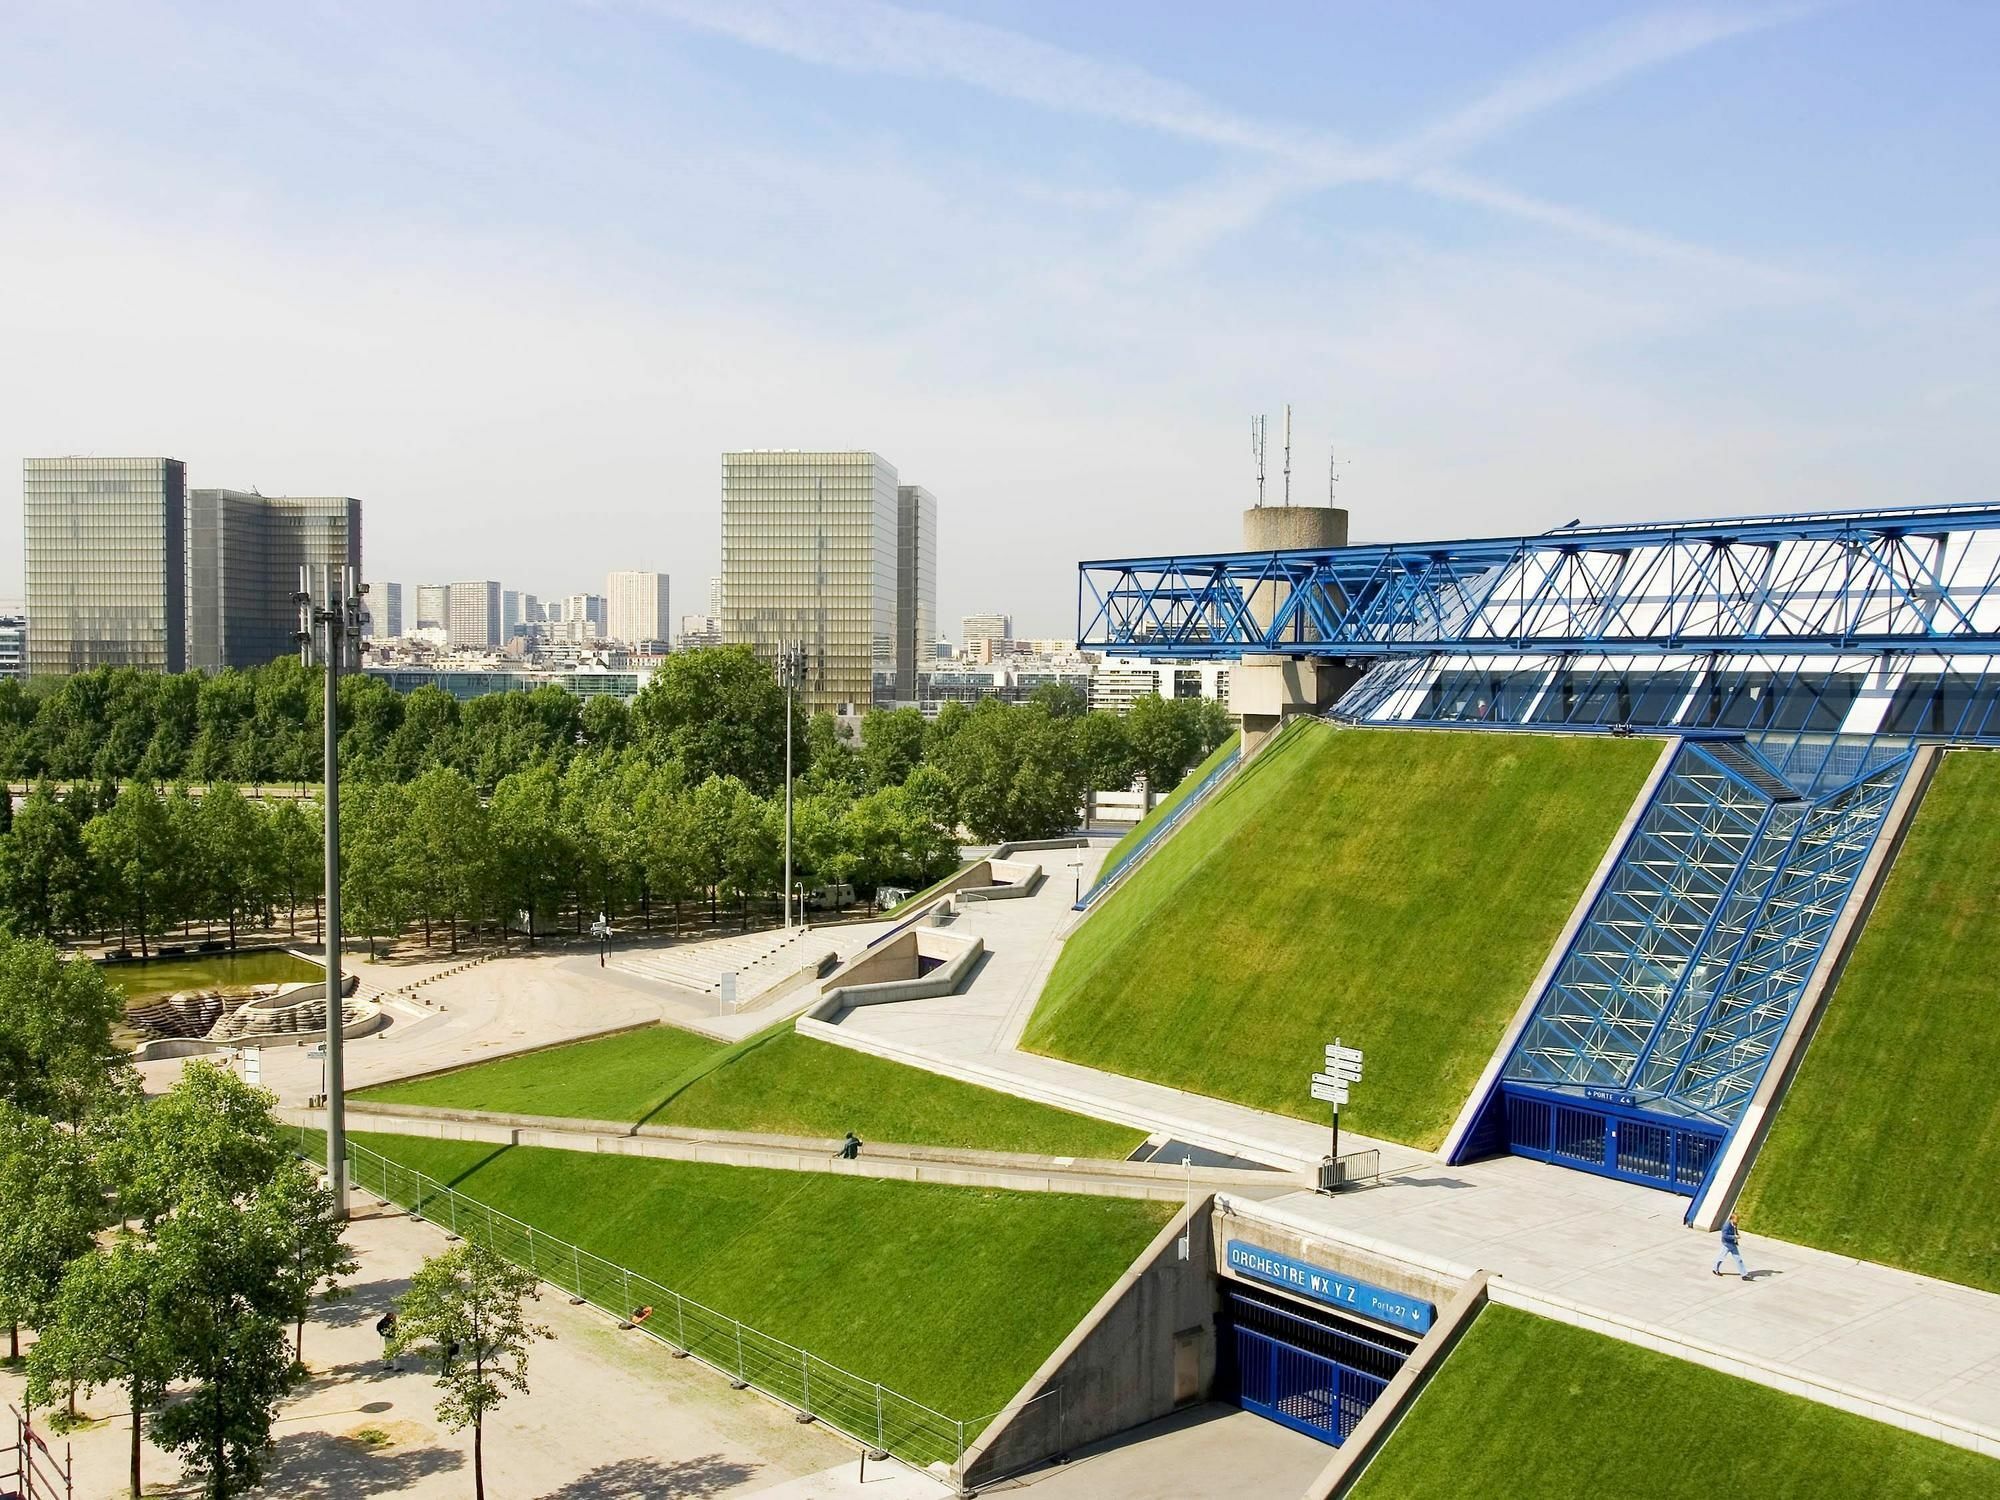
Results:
x,y
810,554
106,562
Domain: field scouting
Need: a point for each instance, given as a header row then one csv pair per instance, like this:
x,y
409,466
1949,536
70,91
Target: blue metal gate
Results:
x,y
1611,1139
1291,1369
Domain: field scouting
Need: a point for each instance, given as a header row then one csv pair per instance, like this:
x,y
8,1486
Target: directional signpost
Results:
x,y
1343,1067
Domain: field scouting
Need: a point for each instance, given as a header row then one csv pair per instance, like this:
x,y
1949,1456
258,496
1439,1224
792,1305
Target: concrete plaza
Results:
x,y
608,1416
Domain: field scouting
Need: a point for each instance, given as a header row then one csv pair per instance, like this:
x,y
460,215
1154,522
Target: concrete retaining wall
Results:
x,y
1147,1348
1002,880
959,955
1362,1444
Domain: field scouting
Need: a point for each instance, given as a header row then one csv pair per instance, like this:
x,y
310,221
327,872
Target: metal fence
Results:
x,y
864,1410
29,1467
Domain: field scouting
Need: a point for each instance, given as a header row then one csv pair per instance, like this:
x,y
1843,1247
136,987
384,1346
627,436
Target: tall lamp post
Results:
x,y
791,672
330,620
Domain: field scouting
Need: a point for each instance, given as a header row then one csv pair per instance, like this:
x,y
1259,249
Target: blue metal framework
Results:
x,y
1841,581
1317,1379
1801,659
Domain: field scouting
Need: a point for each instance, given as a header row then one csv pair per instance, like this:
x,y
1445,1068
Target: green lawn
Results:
x,y
622,1077
1163,809
951,1296
1887,1145
1397,889
778,1081
1529,1407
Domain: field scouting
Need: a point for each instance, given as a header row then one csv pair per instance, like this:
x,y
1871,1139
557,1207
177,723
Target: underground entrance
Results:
x,y
1310,1368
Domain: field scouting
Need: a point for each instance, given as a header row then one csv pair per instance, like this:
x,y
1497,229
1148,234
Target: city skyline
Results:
x,y
1504,272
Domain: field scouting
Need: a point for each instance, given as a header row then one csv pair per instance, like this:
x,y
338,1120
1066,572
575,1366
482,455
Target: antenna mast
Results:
x,y
1288,453
1257,452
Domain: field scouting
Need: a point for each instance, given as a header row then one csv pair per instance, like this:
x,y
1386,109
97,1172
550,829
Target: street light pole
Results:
x,y
791,667
328,620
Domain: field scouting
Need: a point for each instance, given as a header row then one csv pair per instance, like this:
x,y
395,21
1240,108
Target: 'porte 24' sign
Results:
x,y
1399,1309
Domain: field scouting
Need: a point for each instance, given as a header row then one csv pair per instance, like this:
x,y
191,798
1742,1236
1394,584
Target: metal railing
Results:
x,y
865,1410
32,1470
1129,860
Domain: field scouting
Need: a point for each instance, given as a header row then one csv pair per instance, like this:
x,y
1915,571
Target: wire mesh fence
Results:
x,y
864,1410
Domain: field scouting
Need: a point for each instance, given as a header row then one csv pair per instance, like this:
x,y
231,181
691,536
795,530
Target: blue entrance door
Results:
x,y
1307,1373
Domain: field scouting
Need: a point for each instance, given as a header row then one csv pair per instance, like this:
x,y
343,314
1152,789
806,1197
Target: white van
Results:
x,y
830,897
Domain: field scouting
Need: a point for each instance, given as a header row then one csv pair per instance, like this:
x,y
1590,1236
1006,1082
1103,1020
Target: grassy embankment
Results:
x,y
1525,1406
950,1296
777,1082
1397,889
1886,1146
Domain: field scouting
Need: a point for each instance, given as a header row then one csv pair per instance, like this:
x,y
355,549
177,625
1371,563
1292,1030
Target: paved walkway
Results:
x,y
974,1034
1198,1454
1621,1250
609,1416
1611,1248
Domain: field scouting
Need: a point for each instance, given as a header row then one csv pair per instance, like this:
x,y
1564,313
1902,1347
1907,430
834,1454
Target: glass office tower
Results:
x,y
244,556
916,586
809,553
106,555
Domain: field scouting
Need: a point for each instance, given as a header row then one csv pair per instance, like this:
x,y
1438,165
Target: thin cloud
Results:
x,y
875,37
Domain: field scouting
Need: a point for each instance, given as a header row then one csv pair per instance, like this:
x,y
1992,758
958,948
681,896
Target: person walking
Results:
x,y
1732,1249
386,1326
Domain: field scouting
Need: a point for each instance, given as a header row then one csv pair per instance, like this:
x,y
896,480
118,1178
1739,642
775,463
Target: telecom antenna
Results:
x,y
1332,476
1288,454
1257,452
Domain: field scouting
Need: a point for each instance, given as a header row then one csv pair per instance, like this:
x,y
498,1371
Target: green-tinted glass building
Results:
x,y
106,554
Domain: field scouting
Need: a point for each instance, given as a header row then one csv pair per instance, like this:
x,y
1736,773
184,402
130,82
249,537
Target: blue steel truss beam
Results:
x,y
1840,582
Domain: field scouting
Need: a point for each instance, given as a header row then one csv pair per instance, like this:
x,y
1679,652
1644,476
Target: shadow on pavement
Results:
x,y
322,1466
634,1478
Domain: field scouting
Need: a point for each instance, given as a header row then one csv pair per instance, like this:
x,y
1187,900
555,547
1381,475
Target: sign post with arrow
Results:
x,y
1343,1067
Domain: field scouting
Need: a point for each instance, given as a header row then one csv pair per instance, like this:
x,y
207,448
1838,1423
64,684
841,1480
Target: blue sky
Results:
x,y
515,274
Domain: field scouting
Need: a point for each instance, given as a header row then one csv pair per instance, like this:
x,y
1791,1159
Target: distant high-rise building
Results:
x,y
433,606
106,556
244,555
472,614
531,610
698,631
916,584
715,598
385,609
510,613
809,548
992,631
13,647
635,606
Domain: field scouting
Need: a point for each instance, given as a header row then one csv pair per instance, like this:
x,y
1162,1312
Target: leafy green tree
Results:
x,y
55,1029
466,1308
1014,772
606,723
427,735
45,872
210,1133
108,1326
298,857
1167,740
944,728
533,850
222,1265
449,849
892,745
378,882
669,854
192,890
1104,754
48,1180
132,847
832,763
314,1256
719,712
1063,700
236,853
168,704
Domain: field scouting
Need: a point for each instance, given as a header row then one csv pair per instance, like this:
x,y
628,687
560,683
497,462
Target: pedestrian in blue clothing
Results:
x,y
1732,1249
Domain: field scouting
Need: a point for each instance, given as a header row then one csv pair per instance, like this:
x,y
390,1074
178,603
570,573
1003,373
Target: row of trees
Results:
x,y
151,1245
715,712
614,826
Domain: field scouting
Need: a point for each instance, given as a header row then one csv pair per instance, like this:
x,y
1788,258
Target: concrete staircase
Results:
x,y
757,959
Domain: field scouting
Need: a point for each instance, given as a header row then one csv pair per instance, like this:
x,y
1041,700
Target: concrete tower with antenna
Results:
x,y
1266,690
